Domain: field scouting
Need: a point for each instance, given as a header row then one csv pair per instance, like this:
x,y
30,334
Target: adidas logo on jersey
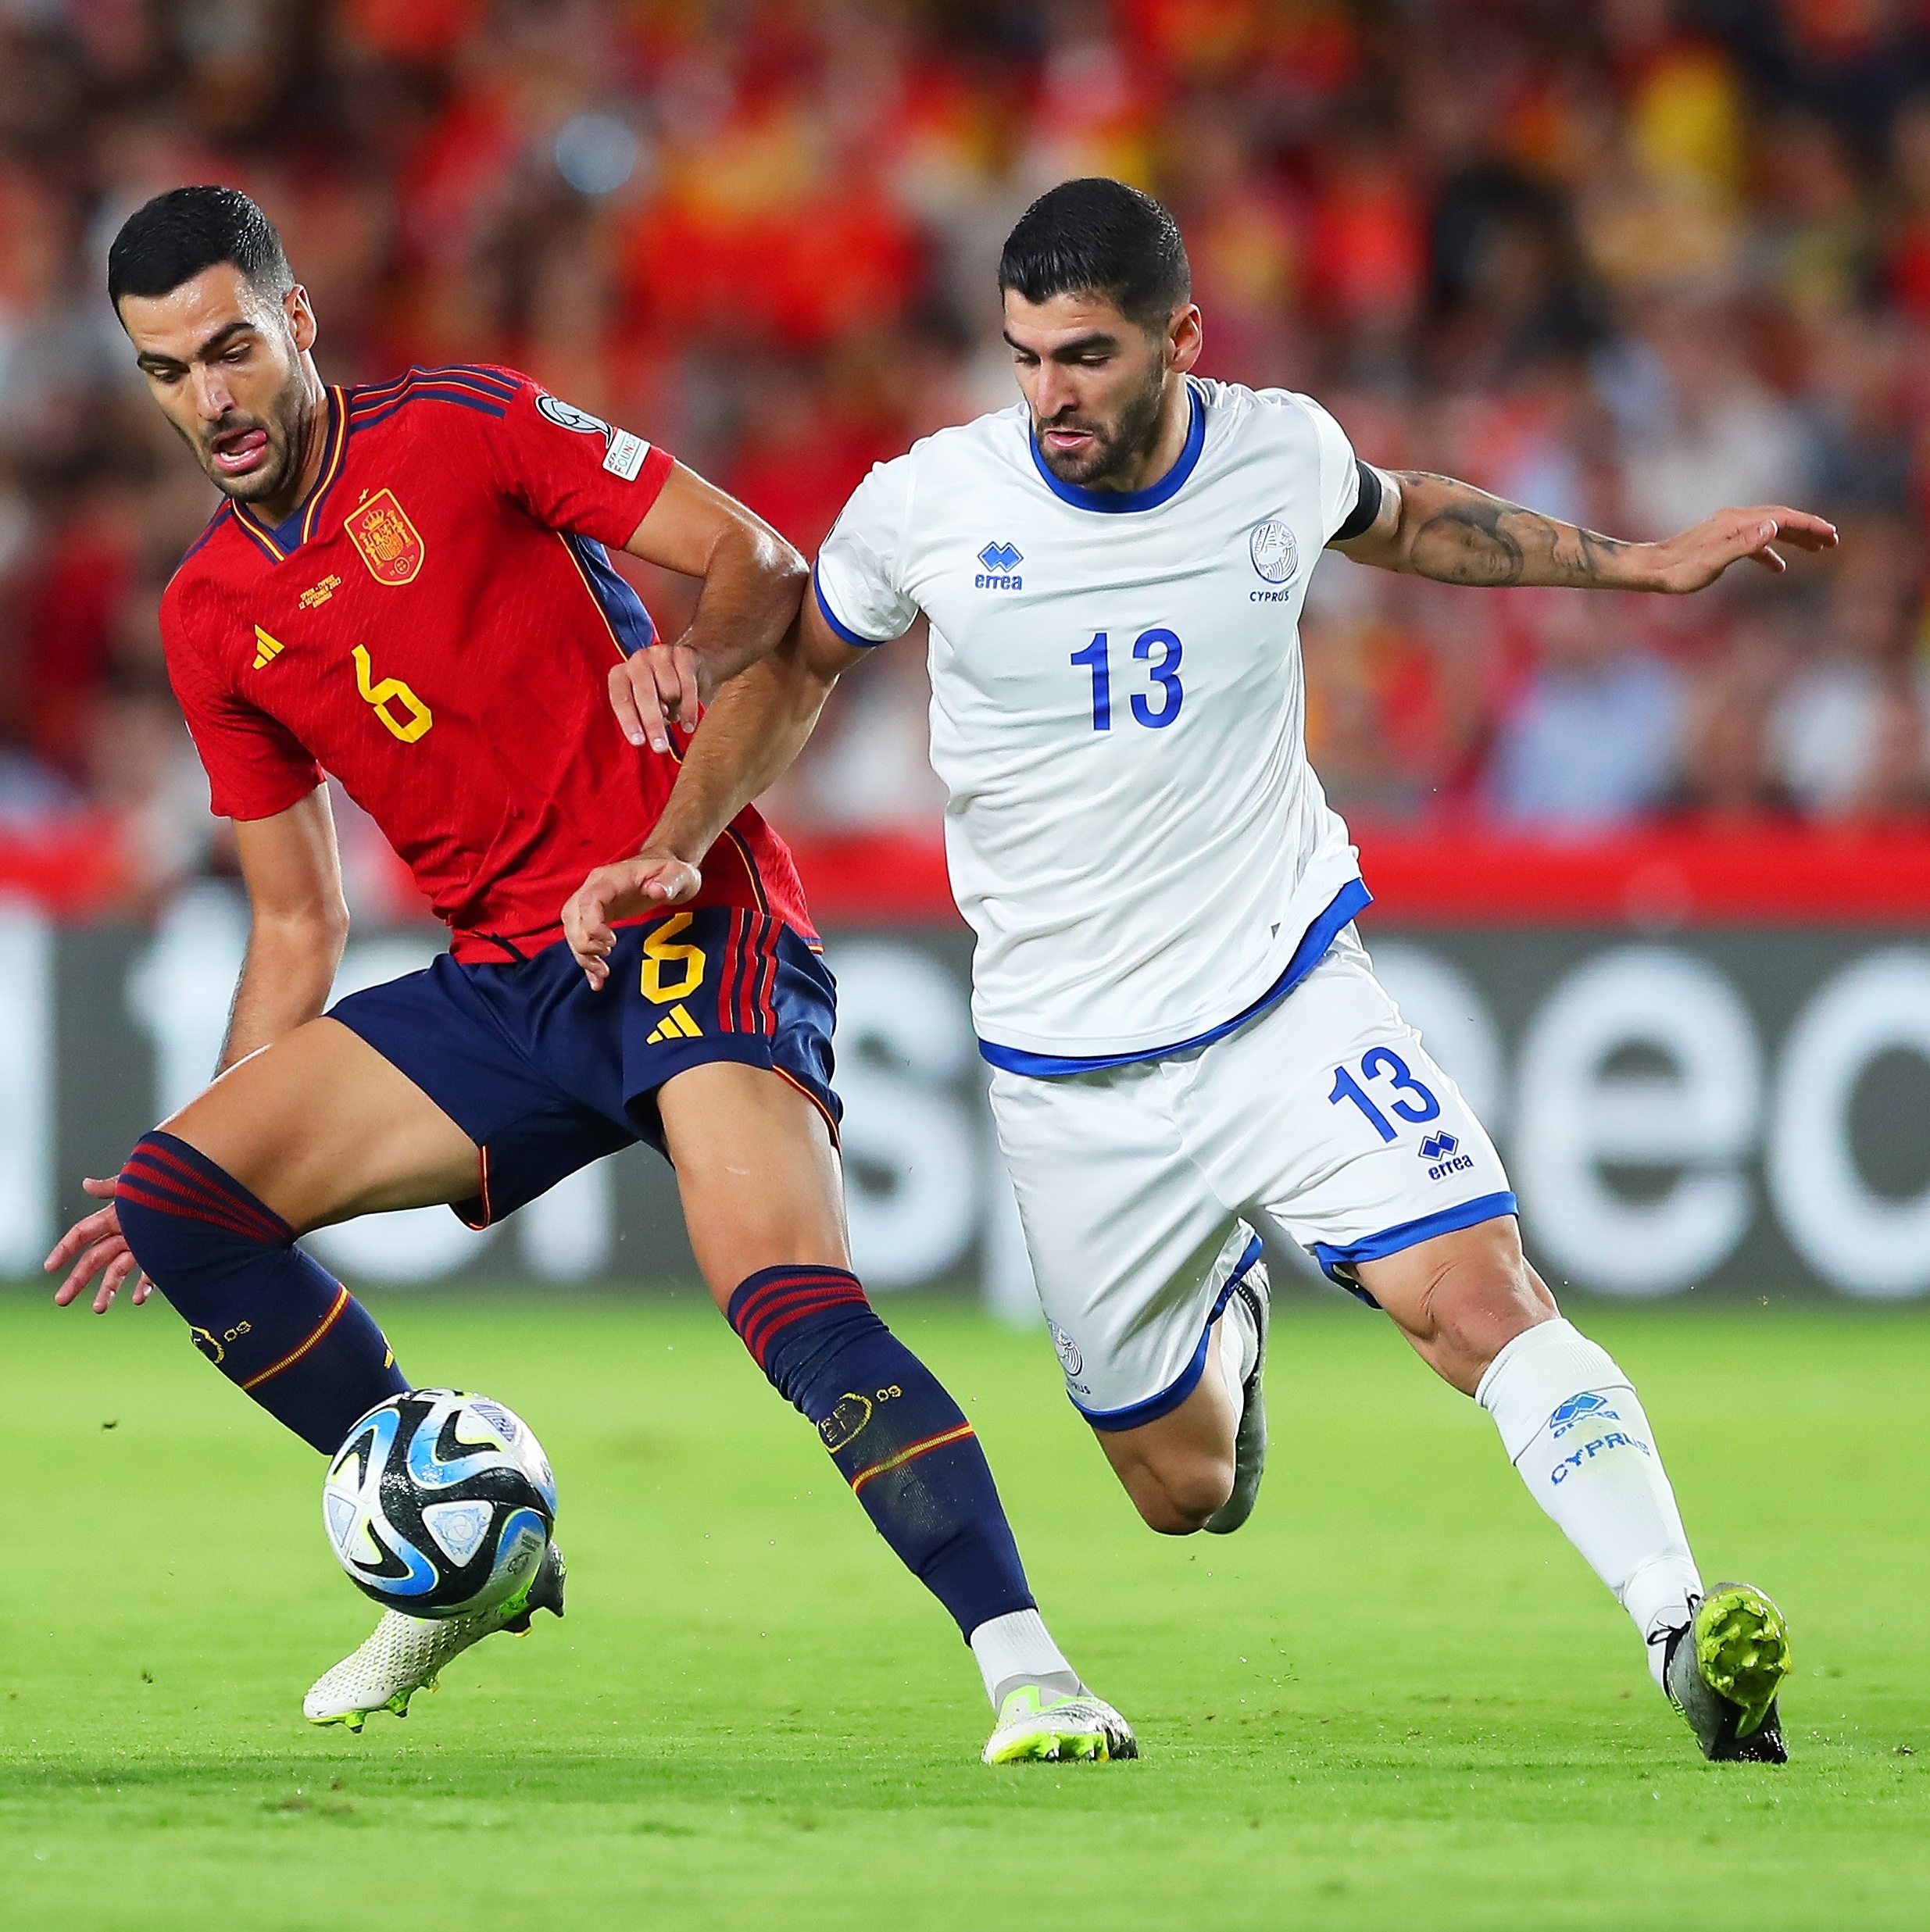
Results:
x,y
266,649
1002,561
677,1024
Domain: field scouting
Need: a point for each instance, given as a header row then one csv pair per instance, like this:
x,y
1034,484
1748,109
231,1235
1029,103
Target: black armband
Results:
x,y
1366,508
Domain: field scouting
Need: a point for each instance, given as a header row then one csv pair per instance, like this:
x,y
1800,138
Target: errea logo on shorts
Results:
x,y
1002,561
1441,1151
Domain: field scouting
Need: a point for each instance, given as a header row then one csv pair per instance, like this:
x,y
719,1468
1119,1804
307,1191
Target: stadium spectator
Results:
x,y
1726,775
1851,734
1590,740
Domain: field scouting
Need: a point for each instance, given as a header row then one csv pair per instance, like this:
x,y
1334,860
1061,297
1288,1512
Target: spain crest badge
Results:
x,y
389,544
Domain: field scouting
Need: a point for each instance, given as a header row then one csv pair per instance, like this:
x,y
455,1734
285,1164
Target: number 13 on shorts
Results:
x,y
1405,1096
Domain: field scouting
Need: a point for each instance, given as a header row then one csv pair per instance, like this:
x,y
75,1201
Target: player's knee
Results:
x,y
177,1209
1480,1302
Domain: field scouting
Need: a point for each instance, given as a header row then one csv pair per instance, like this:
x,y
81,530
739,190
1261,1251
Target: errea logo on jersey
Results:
x,y
1002,561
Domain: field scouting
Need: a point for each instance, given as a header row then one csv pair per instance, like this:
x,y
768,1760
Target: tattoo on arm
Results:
x,y
1463,535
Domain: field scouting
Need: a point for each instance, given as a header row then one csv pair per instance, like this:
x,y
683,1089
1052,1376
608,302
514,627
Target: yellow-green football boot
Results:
x,y
1037,1726
1723,1671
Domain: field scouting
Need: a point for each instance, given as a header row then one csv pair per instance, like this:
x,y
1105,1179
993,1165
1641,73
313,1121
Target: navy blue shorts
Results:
x,y
545,1076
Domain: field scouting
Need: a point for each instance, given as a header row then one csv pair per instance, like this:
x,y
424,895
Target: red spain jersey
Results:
x,y
435,627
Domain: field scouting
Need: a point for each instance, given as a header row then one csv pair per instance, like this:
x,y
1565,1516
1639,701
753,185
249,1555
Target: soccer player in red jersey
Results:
x,y
408,587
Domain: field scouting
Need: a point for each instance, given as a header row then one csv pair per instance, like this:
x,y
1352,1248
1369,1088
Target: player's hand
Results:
x,y
95,1246
627,890
653,689
1697,557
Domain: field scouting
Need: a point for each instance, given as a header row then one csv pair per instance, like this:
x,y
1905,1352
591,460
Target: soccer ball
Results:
x,y
439,1503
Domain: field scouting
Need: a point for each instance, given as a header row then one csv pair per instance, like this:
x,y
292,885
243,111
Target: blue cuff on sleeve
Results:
x,y
837,623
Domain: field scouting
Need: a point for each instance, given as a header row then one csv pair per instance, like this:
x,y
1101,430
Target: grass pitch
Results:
x,y
1396,1699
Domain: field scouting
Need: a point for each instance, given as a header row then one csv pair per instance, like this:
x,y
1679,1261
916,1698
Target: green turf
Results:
x,y
1396,1699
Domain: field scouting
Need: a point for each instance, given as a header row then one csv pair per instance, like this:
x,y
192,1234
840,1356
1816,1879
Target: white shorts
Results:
x,y
1144,1188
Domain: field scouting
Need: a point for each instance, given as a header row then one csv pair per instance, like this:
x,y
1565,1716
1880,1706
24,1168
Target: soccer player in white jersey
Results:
x,y
1190,1049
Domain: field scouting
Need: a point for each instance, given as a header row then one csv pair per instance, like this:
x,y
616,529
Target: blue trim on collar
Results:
x,y
1352,899
837,623
1486,1207
1115,503
1170,1398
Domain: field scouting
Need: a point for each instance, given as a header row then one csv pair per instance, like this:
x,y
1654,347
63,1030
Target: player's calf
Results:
x,y
1578,1437
270,1318
1178,1470
899,1439
914,1463
1183,1468
1567,1414
1569,1417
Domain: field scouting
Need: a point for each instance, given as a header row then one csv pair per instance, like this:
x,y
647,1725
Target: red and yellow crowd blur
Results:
x,y
1625,261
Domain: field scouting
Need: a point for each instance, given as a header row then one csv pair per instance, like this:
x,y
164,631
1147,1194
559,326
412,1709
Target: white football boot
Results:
x,y
404,1654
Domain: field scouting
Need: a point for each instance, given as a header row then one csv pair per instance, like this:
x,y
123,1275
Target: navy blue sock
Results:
x,y
273,1320
897,1437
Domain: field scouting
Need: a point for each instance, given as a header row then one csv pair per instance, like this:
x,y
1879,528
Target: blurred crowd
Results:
x,y
1625,261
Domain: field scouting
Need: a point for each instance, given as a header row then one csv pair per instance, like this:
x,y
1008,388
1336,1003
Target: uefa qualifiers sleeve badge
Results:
x,y
626,452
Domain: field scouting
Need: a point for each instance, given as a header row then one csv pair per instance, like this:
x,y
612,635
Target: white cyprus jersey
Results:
x,y
1117,711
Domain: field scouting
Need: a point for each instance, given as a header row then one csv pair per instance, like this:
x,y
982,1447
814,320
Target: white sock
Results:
x,y
1017,1648
1574,1429
1239,1348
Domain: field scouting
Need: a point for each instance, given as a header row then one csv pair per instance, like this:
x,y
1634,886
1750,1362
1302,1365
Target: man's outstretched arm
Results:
x,y
1434,527
755,726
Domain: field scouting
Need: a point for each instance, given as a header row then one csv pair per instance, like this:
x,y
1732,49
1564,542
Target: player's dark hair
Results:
x,y
177,235
1099,238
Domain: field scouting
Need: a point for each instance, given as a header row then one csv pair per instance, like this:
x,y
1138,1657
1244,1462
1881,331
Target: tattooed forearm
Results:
x,y
1453,532
1466,538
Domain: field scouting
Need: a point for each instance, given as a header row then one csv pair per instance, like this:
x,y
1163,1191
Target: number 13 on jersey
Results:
x,y
1160,651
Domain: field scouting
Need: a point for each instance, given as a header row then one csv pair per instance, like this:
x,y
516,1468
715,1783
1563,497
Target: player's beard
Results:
x,y
287,425
1117,446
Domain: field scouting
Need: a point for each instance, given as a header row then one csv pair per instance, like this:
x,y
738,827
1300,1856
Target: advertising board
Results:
x,y
1718,1110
